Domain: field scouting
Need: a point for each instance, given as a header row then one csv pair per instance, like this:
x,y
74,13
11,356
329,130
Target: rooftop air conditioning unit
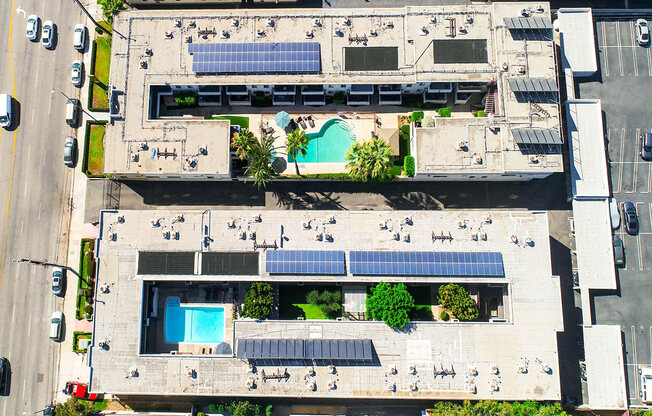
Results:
x,y
464,144
477,159
525,13
270,22
177,22
188,39
142,64
534,159
156,222
540,8
337,32
433,19
134,157
260,33
166,235
112,236
191,24
148,51
346,21
471,388
389,24
469,18
175,235
202,150
373,32
521,69
234,22
423,31
142,146
224,34
316,23
121,219
309,34
168,35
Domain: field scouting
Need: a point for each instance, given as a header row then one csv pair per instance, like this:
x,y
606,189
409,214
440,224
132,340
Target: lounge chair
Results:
x,y
311,121
268,130
302,123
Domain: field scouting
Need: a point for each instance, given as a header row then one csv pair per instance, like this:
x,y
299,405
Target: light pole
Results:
x,y
77,103
88,14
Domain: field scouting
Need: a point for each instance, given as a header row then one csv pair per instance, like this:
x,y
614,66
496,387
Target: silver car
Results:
x,y
646,146
56,323
77,72
58,281
47,34
70,152
33,23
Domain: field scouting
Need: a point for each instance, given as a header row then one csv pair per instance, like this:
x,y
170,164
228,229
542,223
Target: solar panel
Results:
x,y
532,84
306,349
259,57
222,263
528,23
536,136
166,262
427,263
460,51
305,262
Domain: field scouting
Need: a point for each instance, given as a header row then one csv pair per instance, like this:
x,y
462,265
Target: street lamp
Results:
x,y
77,103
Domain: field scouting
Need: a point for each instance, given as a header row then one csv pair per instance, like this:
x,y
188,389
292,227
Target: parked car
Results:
x,y
33,23
615,213
72,112
646,384
56,324
6,110
642,32
631,220
5,373
70,152
79,37
58,281
77,72
646,146
619,252
48,410
47,34
79,390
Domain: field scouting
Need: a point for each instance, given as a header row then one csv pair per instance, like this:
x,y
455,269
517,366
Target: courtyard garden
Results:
x,y
84,301
309,302
93,160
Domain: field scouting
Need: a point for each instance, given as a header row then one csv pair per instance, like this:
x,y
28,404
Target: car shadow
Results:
x,y
15,108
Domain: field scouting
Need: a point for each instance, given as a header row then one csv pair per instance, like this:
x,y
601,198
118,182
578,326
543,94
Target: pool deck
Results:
x,y
363,123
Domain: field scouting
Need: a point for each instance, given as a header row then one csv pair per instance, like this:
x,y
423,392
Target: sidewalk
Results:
x,y
73,366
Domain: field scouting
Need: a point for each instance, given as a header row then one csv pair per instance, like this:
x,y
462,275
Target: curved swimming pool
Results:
x,y
204,324
329,145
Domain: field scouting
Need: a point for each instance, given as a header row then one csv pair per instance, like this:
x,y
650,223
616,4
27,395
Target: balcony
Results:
x,y
389,89
435,97
440,87
471,86
358,99
240,99
284,90
237,90
361,89
312,89
283,99
313,99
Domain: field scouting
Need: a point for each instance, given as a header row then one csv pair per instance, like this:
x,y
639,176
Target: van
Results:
x,y
72,111
6,116
4,376
55,326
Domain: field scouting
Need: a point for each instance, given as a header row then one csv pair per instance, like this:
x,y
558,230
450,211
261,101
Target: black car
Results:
x,y
5,372
631,220
48,410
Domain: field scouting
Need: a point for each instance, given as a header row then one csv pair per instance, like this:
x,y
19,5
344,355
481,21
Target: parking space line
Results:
x,y
638,239
622,156
620,52
635,358
636,161
649,62
651,344
634,47
606,61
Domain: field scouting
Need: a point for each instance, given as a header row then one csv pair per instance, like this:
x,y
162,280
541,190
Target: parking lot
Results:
x,y
623,83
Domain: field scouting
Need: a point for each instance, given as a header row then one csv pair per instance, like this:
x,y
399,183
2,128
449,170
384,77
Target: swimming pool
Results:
x,y
330,144
193,323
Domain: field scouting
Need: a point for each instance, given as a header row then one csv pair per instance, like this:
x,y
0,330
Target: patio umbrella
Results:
x,y
282,119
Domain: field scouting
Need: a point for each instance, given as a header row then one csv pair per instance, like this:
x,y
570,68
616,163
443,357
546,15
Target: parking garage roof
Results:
x,y
578,41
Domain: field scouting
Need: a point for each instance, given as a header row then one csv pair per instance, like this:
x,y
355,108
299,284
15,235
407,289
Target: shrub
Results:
x,y
444,111
480,113
212,408
408,165
98,30
200,413
258,301
230,408
185,99
457,299
391,304
89,310
257,410
444,316
416,116
269,410
221,408
242,409
339,98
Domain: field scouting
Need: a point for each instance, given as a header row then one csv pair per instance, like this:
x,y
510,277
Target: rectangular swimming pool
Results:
x,y
203,324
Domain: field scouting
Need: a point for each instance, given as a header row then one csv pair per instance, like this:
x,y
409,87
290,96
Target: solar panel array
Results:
x,y
427,263
306,349
166,262
536,136
528,23
305,262
259,57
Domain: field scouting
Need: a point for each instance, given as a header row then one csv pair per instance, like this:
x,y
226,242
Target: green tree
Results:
x,y
296,143
371,160
494,408
261,155
457,299
269,410
416,116
242,142
391,304
258,301
243,408
329,301
111,7
73,407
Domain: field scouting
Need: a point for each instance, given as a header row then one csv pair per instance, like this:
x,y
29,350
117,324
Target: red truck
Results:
x,y
79,390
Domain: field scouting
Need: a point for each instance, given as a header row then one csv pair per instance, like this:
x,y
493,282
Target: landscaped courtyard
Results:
x,y
294,304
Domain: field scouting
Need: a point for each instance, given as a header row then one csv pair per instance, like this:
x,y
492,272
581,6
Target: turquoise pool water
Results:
x,y
330,144
193,324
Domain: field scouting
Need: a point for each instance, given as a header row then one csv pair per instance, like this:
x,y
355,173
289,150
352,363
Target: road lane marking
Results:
x,y
29,150
36,82
606,61
634,47
13,149
26,183
43,9
40,205
33,111
44,159
29,326
22,223
620,51
24,388
13,313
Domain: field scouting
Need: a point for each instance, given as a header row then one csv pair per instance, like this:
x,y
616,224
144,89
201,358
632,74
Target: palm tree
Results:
x,y
243,142
261,155
296,143
111,7
369,160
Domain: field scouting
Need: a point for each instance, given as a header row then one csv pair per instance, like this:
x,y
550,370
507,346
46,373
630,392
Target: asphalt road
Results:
x,y
34,189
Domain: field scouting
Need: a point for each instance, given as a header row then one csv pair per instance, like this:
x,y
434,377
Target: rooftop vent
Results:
x,y
234,22
433,19
168,35
389,24
224,34
202,150
309,34
191,24
337,32
270,22
142,146
373,32
469,18
188,39
525,12
134,157
142,64
260,33
477,159
346,21
423,31
540,8
316,22
463,145
177,22
148,51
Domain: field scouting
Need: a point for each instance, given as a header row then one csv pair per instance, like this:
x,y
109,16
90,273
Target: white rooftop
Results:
x,y
578,42
526,337
605,367
587,149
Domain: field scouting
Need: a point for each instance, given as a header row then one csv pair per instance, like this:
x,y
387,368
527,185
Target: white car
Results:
x,y
79,37
56,322
47,34
614,211
33,23
77,72
646,384
642,32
